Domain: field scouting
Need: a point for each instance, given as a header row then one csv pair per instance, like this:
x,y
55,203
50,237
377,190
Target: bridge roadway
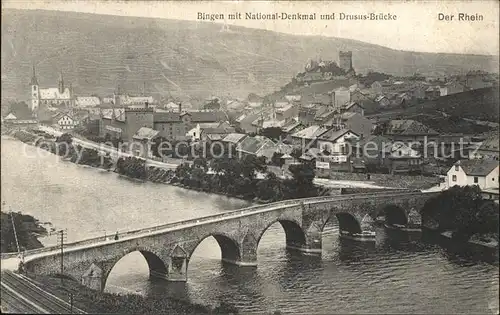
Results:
x,y
21,295
167,248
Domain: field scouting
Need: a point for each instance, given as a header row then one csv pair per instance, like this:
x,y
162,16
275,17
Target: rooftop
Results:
x,y
234,137
145,133
311,132
409,127
477,167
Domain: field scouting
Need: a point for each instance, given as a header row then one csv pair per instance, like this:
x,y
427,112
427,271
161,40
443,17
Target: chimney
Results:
x,y
180,107
146,105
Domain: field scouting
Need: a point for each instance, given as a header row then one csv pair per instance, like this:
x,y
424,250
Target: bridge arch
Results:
x,y
347,222
294,234
157,267
230,249
393,214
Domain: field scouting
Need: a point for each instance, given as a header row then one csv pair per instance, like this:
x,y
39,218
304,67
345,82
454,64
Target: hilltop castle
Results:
x,y
345,61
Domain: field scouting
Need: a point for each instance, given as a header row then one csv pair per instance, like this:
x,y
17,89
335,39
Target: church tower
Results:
x,y
61,83
35,93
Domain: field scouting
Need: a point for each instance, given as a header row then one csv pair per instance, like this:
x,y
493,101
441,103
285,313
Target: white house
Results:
x,y
87,101
65,121
337,142
483,173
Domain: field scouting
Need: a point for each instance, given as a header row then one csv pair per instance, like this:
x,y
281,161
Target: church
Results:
x,y
60,96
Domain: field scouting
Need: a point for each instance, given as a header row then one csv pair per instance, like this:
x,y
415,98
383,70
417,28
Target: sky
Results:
x,y
416,28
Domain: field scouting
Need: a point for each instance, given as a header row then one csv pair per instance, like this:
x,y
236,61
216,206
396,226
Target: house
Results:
x,y
310,155
315,114
308,136
353,121
451,88
113,123
337,142
286,112
400,158
489,149
256,146
280,147
477,81
483,173
142,141
171,106
432,93
176,125
379,86
403,99
20,117
364,100
87,101
336,151
210,131
65,120
340,97
235,105
234,138
353,107
290,128
293,97
245,121
370,149
410,131
382,101
418,92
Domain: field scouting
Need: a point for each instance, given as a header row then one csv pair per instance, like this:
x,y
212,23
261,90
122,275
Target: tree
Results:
x,y
488,217
252,164
277,160
213,104
303,176
65,137
455,209
201,163
27,229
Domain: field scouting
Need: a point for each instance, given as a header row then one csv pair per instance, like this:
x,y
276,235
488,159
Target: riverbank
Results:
x,y
137,169
108,303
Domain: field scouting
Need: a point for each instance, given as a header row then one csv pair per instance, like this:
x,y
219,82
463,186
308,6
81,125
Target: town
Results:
x,y
181,166
327,117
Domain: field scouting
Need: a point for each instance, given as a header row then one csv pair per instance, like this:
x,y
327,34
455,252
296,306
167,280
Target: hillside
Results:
x,y
98,52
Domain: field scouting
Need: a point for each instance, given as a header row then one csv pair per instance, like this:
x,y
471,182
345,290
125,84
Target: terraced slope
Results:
x,y
97,53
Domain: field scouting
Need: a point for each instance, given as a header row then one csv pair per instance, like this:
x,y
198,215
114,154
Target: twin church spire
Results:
x,y
34,80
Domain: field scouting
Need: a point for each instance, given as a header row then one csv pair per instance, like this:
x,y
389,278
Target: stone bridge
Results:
x,y
168,248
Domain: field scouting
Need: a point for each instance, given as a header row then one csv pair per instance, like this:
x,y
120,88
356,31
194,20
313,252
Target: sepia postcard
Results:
x,y
249,157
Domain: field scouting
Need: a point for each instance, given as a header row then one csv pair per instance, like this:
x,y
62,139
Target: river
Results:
x,y
390,276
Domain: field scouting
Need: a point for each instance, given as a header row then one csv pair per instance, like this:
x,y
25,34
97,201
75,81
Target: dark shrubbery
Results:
x,y
463,211
238,177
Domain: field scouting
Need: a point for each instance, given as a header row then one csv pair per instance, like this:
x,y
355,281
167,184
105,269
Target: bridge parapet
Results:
x,y
247,210
168,248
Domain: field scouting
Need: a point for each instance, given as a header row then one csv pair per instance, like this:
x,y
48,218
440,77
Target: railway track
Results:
x,y
23,296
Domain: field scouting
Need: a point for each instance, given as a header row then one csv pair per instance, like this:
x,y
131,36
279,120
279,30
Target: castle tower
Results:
x,y
61,83
35,93
345,61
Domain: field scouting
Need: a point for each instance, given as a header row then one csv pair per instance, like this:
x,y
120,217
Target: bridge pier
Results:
x,y
312,244
178,264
